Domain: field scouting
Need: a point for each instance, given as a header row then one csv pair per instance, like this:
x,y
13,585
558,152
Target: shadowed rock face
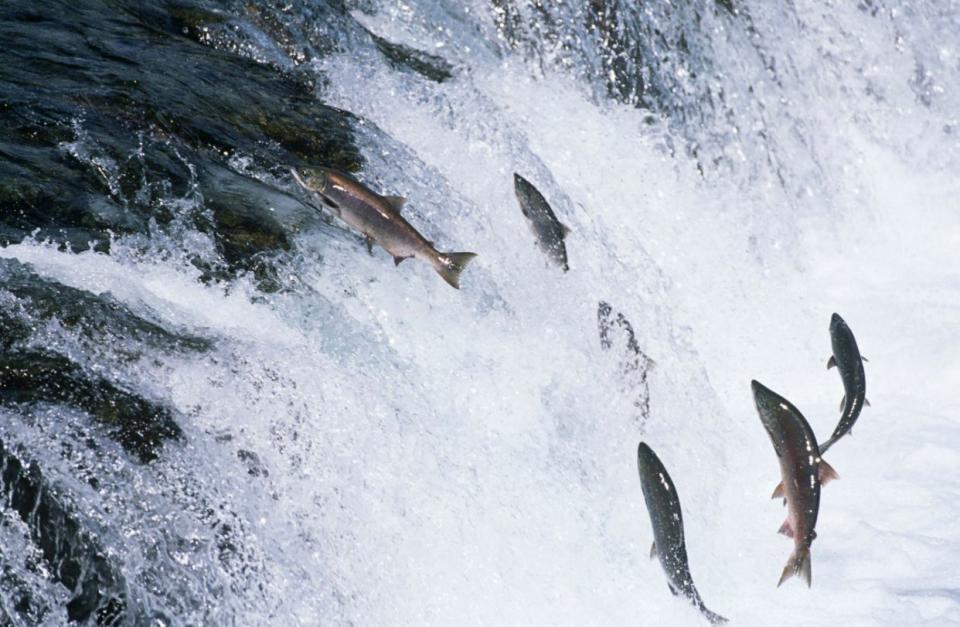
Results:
x,y
100,132
30,374
73,556
138,424
24,295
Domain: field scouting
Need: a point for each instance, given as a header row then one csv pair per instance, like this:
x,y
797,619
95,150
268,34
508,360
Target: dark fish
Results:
x,y
846,357
378,219
616,334
663,505
802,471
543,222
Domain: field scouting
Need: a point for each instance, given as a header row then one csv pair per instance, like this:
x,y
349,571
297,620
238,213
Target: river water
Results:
x,y
216,407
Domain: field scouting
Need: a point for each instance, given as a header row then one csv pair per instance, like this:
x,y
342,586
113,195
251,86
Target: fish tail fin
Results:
x,y
450,265
713,617
798,564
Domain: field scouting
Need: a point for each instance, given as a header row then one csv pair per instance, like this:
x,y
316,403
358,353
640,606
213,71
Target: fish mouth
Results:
x,y
836,321
299,180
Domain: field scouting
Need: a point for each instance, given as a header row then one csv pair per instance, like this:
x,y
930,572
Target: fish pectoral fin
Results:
x,y
862,358
397,260
826,472
831,362
786,529
777,491
653,550
866,401
843,401
566,229
369,242
672,589
396,202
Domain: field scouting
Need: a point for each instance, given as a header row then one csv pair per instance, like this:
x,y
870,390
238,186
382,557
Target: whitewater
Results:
x,y
391,451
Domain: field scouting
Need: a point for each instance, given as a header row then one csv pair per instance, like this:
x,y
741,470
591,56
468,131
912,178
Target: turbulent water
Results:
x,y
216,407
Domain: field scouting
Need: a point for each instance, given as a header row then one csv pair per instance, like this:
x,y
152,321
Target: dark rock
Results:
x,y
103,130
73,555
139,425
99,318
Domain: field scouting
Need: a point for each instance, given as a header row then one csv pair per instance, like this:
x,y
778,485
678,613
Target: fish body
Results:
x,y
546,228
379,220
846,357
663,505
802,472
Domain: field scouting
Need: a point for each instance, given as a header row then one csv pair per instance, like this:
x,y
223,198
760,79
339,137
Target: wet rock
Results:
x,y
139,425
72,554
99,318
100,136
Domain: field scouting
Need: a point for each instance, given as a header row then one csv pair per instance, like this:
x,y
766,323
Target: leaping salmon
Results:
x,y
802,472
846,357
378,219
547,229
663,505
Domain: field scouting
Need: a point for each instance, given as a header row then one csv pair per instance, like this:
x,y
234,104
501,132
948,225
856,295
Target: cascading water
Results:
x,y
217,408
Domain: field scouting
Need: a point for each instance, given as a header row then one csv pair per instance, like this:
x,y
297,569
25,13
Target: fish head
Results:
x,y
653,475
765,398
522,187
769,405
837,323
312,179
646,460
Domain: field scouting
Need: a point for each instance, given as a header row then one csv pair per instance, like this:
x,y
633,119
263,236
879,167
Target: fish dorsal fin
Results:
x,y
831,362
565,229
396,202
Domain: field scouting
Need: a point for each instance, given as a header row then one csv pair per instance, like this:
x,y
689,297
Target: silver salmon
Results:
x,y
663,505
378,219
547,229
846,357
